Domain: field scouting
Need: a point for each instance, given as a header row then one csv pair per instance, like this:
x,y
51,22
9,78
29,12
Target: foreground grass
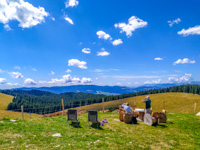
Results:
x,y
182,131
174,102
4,101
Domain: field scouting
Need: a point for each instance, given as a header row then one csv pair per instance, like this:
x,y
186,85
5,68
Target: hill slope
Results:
x,y
174,102
4,101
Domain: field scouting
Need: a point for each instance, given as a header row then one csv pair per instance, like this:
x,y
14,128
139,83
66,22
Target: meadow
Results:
x,y
182,131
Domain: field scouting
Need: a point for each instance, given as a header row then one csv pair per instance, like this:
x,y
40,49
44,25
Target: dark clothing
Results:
x,y
148,104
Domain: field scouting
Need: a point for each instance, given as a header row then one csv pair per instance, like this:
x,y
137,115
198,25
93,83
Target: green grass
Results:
x,y
182,131
4,101
174,102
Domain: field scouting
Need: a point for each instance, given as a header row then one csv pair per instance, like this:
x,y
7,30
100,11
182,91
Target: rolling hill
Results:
x,y
174,102
4,101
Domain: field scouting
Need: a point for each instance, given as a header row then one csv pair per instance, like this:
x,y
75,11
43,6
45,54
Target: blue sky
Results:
x,y
69,42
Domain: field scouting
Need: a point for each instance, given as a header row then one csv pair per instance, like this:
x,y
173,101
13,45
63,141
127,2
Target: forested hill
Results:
x,y
41,102
45,102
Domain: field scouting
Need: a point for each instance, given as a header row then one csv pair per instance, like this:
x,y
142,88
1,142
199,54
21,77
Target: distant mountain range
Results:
x,y
106,90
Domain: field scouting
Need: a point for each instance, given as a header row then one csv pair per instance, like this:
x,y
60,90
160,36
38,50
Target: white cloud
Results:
x,y
184,61
68,70
176,21
158,58
17,67
86,50
99,70
68,79
69,20
77,63
13,84
190,31
103,53
153,82
7,27
71,3
2,81
103,35
86,80
16,75
53,18
185,78
25,13
136,77
34,69
133,24
52,73
29,81
117,42
1,71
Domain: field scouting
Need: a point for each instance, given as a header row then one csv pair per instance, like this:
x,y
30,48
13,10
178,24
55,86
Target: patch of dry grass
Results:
x,y
174,102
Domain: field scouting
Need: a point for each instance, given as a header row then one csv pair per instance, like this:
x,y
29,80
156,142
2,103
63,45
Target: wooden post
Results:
x,y
195,105
103,104
30,114
22,110
63,107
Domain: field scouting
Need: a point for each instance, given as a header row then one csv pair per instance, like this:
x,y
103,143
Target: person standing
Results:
x,y
147,102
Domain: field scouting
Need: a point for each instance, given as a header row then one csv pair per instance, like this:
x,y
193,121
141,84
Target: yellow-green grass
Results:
x,y
4,101
174,102
181,132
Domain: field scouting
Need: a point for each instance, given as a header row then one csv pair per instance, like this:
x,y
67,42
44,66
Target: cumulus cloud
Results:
x,y
69,20
7,27
86,80
153,82
29,81
68,79
190,31
133,24
77,63
16,75
25,13
117,42
176,21
68,70
71,3
184,61
158,58
103,35
103,53
185,78
86,50
2,81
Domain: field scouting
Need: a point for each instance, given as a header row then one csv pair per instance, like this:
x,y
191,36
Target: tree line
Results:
x,y
41,102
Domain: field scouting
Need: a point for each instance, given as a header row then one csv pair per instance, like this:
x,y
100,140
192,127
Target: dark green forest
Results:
x,y
41,102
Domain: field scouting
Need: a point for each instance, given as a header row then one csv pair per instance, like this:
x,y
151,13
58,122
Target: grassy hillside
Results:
x,y
4,101
174,102
182,131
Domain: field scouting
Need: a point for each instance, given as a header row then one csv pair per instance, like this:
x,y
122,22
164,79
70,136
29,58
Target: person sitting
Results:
x,y
147,102
127,108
